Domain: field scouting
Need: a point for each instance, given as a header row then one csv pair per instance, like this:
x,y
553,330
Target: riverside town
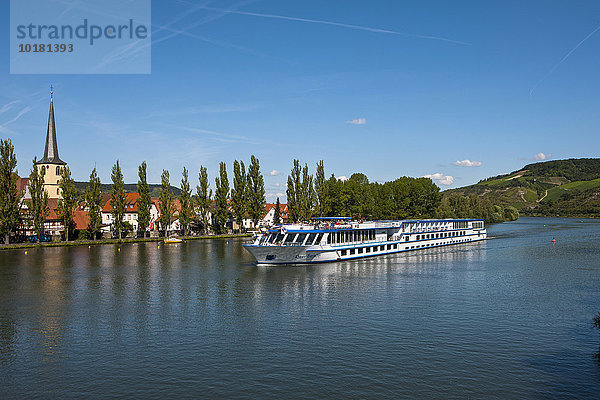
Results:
x,y
48,206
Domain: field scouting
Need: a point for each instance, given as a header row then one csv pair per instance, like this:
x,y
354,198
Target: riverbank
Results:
x,y
114,241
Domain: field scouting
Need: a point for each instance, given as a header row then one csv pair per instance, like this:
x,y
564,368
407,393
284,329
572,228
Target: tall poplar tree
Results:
x,y
256,184
203,197
307,195
10,198
277,216
240,192
68,201
166,203
93,199
118,200
144,201
221,193
320,188
39,199
293,192
185,200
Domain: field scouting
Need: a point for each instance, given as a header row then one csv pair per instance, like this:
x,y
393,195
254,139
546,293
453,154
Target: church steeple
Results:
x,y
51,150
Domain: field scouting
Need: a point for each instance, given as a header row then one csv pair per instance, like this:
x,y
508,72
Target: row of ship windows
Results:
x,y
364,250
439,235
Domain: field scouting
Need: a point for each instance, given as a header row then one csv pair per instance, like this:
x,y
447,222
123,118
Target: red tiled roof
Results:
x,y
130,201
81,218
283,209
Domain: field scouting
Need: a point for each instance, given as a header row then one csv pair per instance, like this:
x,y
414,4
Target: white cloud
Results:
x,y
468,163
357,121
442,179
274,173
342,178
8,106
19,115
541,156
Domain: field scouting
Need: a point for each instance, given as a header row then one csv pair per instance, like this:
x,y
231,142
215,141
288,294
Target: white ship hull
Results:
x,y
307,244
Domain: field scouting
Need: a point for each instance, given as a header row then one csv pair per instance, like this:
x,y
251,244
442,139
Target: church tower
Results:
x,y
51,163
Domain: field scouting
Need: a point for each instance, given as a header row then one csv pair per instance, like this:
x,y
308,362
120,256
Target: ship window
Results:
x,y
407,238
311,238
300,238
343,252
319,238
381,248
352,251
418,236
389,246
270,257
289,238
360,250
368,250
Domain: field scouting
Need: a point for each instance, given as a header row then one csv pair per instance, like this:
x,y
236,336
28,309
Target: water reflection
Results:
x,y
200,312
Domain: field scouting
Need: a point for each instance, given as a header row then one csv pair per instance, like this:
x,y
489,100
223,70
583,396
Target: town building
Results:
x,y
51,165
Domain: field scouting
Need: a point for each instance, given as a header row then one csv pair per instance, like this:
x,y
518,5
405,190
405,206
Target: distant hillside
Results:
x,y
568,188
129,188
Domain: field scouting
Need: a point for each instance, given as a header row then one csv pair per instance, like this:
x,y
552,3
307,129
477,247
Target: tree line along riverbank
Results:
x,y
243,198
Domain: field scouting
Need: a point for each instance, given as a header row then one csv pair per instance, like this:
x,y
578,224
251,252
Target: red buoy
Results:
x,y
553,240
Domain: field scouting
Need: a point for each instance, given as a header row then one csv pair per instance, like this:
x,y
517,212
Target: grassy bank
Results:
x,y
112,241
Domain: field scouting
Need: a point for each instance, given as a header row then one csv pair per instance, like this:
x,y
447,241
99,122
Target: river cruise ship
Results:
x,y
335,239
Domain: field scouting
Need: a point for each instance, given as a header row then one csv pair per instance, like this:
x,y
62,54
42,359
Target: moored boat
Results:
x,y
334,239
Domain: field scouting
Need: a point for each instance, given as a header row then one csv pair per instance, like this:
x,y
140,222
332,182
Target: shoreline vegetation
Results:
x,y
18,246
235,206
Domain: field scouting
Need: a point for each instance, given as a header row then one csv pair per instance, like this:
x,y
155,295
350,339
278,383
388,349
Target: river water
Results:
x,y
507,318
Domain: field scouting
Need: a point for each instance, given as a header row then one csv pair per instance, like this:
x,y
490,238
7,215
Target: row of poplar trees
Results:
x,y
247,198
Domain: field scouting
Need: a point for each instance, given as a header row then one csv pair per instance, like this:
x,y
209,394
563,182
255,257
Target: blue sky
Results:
x,y
387,88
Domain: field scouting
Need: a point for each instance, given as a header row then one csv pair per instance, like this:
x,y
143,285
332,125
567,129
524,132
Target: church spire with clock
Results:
x,y
51,162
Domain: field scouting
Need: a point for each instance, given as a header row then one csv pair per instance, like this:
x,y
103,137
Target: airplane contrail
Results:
x,y
562,60
339,24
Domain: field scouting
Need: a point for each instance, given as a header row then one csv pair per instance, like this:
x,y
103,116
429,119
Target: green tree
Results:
x,y
185,201
307,195
203,198
118,199
277,216
240,192
144,202
221,193
256,183
293,192
93,199
320,188
10,198
166,203
68,201
39,199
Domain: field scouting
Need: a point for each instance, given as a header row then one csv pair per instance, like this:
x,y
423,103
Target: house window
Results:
x,y
57,170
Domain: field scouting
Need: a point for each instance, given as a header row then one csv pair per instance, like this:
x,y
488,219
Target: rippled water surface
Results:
x,y
510,317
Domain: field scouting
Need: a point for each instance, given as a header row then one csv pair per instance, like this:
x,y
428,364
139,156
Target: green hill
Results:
x,y
569,188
